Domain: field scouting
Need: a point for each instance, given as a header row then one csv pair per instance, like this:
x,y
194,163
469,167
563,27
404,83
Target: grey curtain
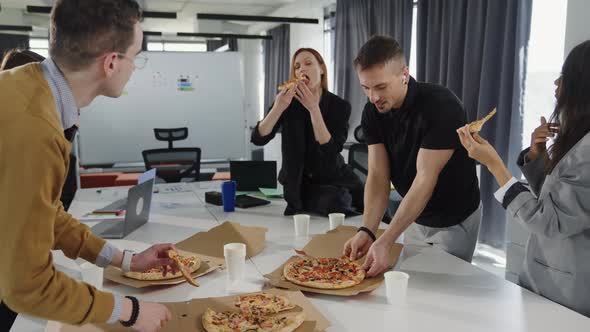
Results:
x,y
214,44
478,49
276,62
8,42
356,22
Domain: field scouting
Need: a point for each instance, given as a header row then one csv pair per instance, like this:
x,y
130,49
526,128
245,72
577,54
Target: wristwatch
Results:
x,y
127,256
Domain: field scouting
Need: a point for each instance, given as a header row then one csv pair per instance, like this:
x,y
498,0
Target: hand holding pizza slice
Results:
x,y
184,269
165,272
290,83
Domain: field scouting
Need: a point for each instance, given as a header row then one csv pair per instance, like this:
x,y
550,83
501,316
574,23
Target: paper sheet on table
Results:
x,y
271,192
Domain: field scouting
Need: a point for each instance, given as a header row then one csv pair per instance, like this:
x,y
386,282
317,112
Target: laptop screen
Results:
x,y
149,175
139,201
251,175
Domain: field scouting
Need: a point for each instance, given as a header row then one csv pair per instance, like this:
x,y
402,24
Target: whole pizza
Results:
x,y
324,273
229,321
263,304
192,263
260,312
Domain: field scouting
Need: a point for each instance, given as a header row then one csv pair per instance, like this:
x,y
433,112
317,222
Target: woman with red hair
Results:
x,y
314,128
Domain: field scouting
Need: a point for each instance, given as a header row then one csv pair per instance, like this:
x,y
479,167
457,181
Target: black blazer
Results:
x,y
303,158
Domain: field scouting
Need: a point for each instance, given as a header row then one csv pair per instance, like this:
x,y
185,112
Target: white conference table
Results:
x,y
444,292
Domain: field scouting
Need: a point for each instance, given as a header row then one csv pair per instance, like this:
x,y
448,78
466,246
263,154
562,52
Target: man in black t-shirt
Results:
x,y
410,128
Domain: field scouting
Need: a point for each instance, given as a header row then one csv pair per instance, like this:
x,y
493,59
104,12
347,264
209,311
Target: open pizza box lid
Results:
x,y
186,316
211,243
330,245
208,246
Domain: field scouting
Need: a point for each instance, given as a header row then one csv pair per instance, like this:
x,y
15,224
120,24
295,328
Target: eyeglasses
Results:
x,y
139,61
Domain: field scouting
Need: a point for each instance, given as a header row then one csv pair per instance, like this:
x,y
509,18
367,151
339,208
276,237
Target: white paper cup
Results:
x,y
92,274
301,222
336,219
396,284
235,260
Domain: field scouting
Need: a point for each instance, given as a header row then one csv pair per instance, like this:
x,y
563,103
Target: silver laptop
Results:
x,y
121,204
137,213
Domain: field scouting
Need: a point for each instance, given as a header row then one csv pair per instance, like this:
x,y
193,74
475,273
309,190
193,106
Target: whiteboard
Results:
x,y
201,91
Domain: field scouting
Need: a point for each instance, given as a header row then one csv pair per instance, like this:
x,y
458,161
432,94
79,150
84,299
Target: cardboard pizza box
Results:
x,y
186,316
208,265
330,245
211,243
206,245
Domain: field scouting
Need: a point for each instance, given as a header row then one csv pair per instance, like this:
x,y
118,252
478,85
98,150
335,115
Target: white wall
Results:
x,y
253,73
40,22
577,27
308,35
301,35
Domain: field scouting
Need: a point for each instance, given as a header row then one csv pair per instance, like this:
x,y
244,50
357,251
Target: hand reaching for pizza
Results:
x,y
377,259
156,255
307,98
357,246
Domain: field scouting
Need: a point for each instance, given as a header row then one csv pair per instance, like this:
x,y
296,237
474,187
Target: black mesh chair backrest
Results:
x,y
171,134
358,159
173,165
359,134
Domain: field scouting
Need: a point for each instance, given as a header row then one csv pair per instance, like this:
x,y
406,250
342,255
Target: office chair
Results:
x,y
358,159
359,134
174,164
171,134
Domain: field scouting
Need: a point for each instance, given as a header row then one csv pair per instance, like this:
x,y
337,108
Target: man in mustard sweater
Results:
x,y
94,49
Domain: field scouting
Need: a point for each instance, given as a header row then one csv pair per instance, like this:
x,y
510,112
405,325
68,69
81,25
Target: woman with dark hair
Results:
x,y
557,211
314,128
16,58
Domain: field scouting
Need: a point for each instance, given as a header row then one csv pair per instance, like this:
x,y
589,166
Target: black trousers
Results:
x,y
324,199
7,317
344,195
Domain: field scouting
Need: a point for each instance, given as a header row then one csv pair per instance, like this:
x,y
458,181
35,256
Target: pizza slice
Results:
x,y
157,273
228,321
184,269
289,84
476,126
263,304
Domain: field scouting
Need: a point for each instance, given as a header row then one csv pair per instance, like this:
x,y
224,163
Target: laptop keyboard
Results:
x,y
120,204
109,228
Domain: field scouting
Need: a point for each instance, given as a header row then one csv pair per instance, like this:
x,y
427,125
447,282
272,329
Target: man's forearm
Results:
x,y
410,208
376,199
